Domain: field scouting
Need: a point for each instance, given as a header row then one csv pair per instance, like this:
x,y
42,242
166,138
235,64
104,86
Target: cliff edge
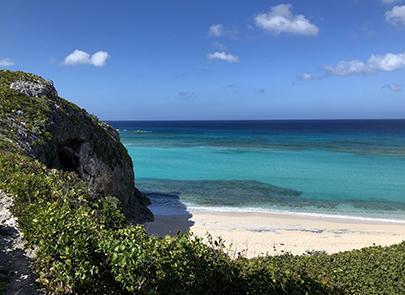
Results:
x,y
37,122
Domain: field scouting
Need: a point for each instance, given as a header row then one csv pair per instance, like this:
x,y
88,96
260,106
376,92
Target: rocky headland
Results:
x,y
63,136
40,125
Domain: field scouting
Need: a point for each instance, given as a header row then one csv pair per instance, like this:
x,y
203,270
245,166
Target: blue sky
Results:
x,y
253,59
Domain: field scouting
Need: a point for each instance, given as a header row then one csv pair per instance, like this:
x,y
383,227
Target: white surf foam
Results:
x,y
285,212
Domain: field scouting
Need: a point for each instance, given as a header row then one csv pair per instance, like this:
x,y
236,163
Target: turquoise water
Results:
x,y
350,168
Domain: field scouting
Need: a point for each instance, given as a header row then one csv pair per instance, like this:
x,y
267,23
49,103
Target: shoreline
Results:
x,y
333,216
258,233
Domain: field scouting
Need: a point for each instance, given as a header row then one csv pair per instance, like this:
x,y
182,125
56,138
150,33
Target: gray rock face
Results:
x,y
36,89
78,142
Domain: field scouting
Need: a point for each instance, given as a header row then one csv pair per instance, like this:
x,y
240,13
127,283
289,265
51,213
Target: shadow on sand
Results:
x,y
171,215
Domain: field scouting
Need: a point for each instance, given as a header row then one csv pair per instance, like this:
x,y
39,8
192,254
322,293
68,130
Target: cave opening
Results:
x,y
68,155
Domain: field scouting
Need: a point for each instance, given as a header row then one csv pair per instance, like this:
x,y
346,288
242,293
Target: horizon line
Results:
x,y
246,120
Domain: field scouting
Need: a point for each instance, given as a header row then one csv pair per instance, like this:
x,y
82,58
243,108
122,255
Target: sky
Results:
x,y
212,60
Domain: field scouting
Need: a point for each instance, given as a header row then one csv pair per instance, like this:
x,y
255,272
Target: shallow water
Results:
x,y
354,168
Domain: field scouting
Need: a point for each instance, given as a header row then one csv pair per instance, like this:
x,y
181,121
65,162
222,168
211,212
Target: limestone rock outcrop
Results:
x,y
63,136
35,88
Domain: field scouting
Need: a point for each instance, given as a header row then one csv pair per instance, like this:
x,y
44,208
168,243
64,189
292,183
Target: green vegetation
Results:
x,y
85,246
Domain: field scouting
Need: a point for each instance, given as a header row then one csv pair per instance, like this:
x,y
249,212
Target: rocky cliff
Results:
x,y
44,126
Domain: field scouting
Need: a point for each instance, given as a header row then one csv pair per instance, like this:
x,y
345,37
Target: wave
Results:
x,y
139,131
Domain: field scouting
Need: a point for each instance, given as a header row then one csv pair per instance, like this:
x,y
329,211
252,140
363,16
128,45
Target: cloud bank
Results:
x,y
224,56
376,63
280,19
6,62
79,57
396,16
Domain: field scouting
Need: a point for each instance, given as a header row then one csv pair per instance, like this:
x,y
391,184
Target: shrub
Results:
x,y
84,246
170,265
59,217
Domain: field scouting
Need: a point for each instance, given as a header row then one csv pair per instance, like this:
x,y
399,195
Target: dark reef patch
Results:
x,y
251,194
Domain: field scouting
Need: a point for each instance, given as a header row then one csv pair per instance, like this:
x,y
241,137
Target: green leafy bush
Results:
x,y
58,216
85,246
169,265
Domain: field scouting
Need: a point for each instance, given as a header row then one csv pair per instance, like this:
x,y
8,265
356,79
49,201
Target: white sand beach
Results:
x,y
275,233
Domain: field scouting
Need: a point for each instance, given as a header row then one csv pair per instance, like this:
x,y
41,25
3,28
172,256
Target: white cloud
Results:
x,y
280,19
79,57
307,77
345,68
396,16
376,63
216,30
99,58
222,55
393,87
6,62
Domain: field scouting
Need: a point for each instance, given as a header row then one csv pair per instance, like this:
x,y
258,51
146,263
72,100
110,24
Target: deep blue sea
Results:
x,y
343,167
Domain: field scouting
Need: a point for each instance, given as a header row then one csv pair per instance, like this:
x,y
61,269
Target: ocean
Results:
x,y
344,168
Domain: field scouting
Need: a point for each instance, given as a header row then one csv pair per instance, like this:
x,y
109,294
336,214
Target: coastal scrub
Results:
x,y
84,244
